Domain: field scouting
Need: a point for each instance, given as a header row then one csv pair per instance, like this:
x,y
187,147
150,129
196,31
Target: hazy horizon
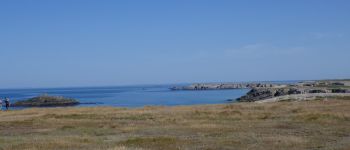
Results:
x,y
158,84
112,43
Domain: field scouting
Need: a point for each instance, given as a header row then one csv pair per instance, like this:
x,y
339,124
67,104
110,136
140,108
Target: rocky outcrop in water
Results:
x,y
46,101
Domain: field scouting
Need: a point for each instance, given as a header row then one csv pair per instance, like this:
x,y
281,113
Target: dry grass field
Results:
x,y
318,124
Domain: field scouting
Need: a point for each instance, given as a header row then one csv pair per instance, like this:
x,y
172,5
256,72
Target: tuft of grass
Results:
x,y
169,143
297,110
311,117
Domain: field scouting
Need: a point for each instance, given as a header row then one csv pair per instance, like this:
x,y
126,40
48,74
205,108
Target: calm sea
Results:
x,y
130,96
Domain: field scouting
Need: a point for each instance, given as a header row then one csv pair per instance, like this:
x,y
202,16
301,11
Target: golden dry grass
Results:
x,y
282,125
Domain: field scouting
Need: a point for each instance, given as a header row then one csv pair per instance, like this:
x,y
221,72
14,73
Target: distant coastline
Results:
x,y
268,90
128,96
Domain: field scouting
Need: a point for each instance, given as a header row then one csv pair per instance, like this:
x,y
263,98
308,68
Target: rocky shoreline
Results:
x,y
263,90
257,94
301,88
223,86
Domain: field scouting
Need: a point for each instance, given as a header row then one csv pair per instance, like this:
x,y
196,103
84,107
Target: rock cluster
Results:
x,y
257,94
264,93
264,90
46,101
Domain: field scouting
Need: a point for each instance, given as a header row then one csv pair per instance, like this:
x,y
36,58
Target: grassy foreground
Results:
x,y
281,125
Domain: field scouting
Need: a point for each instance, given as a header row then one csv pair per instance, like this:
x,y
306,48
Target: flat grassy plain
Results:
x,y
318,124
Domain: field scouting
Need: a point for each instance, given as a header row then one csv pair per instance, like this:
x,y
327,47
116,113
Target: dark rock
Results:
x,y
257,94
338,84
46,101
339,90
280,92
294,91
265,93
317,91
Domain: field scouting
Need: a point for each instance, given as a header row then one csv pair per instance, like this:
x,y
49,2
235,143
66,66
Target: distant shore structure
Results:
x,y
222,86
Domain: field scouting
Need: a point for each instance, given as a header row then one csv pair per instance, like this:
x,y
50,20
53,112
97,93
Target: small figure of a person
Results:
x,y
7,103
0,104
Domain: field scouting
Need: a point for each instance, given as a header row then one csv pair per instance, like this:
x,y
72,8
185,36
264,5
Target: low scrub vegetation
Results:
x,y
321,124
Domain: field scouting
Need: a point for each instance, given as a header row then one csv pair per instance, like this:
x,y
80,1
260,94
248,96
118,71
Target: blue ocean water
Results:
x,y
130,96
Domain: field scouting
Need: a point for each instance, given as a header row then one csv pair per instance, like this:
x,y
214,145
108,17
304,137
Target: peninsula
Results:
x,y
304,90
278,91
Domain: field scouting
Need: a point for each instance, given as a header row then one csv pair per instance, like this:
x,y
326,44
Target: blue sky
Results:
x,y
97,43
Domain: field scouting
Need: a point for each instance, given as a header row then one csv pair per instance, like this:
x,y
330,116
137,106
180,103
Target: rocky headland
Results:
x,y
304,90
264,90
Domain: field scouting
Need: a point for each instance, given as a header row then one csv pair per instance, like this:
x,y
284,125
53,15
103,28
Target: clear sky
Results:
x,y
63,43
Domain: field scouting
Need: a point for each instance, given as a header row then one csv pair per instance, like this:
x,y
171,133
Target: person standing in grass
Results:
x,y
7,103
